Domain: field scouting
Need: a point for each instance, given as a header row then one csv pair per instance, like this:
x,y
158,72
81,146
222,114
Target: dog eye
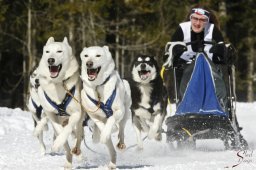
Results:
x,y
98,55
147,59
59,51
47,51
139,59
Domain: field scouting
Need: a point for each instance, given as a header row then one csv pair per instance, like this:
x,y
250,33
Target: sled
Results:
x,y
200,114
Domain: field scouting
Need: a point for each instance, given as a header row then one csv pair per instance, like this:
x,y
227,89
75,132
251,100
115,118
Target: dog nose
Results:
x,y
89,64
37,81
143,66
51,61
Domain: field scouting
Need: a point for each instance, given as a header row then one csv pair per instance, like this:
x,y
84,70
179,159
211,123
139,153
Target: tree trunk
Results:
x,y
117,56
71,31
27,63
250,71
223,14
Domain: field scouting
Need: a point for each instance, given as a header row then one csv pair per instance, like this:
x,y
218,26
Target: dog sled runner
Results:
x,y
201,111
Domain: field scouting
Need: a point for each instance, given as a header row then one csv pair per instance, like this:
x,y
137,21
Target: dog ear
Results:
x,y
50,40
65,41
106,47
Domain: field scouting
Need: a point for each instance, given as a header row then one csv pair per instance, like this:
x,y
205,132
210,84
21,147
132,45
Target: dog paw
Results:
x,y
68,165
152,133
121,146
111,166
42,150
76,151
158,137
36,132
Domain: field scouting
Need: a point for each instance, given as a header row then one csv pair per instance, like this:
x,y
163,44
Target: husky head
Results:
x,y
56,60
144,69
34,79
97,64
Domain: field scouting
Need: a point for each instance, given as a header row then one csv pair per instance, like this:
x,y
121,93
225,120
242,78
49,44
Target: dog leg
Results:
x,y
112,152
154,128
79,136
67,130
137,128
121,145
41,143
40,126
68,164
106,132
34,116
96,134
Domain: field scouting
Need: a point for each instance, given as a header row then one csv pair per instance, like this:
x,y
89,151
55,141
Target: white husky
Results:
x,y
35,107
105,96
59,91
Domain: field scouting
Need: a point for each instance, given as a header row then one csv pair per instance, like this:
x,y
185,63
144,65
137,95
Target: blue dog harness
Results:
x,y
63,106
105,107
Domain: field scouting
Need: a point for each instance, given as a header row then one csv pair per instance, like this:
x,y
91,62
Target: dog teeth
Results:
x,y
54,70
93,72
144,74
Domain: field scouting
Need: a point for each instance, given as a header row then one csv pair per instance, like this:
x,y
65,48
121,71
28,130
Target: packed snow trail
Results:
x,y
19,149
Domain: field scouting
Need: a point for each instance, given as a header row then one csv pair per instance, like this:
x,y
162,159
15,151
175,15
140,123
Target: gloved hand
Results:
x,y
219,53
178,62
178,50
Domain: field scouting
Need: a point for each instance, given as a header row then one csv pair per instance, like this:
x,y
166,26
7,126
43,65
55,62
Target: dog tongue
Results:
x,y
54,71
92,76
144,76
92,73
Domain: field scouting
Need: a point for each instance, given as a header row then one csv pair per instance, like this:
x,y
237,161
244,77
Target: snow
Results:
x,y
19,149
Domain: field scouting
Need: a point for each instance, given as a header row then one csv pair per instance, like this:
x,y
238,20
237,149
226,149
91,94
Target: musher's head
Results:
x,y
199,19
200,16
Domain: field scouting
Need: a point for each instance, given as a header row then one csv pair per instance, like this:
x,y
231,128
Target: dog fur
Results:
x,y
35,107
149,100
100,79
58,75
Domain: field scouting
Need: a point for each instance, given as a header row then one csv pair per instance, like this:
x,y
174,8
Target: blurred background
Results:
x,y
128,27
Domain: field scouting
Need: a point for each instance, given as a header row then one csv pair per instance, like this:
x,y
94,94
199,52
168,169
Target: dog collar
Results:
x,y
105,107
61,108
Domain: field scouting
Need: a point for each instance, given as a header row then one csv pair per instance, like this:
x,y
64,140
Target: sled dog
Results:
x,y
149,99
35,107
105,96
59,92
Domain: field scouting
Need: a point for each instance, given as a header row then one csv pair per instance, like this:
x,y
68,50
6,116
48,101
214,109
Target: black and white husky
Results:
x,y
35,107
149,99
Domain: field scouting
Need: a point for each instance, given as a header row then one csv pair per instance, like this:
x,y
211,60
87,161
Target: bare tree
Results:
x,y
28,62
250,72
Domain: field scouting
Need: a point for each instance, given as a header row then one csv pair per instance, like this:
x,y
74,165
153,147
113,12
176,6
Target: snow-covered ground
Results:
x,y
19,149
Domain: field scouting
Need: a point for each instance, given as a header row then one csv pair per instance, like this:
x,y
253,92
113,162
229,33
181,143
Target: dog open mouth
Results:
x,y
55,70
93,73
144,74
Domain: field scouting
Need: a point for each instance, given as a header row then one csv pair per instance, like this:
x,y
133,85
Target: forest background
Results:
x,y
128,27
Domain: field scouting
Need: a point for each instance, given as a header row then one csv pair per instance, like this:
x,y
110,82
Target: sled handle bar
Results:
x,y
204,42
